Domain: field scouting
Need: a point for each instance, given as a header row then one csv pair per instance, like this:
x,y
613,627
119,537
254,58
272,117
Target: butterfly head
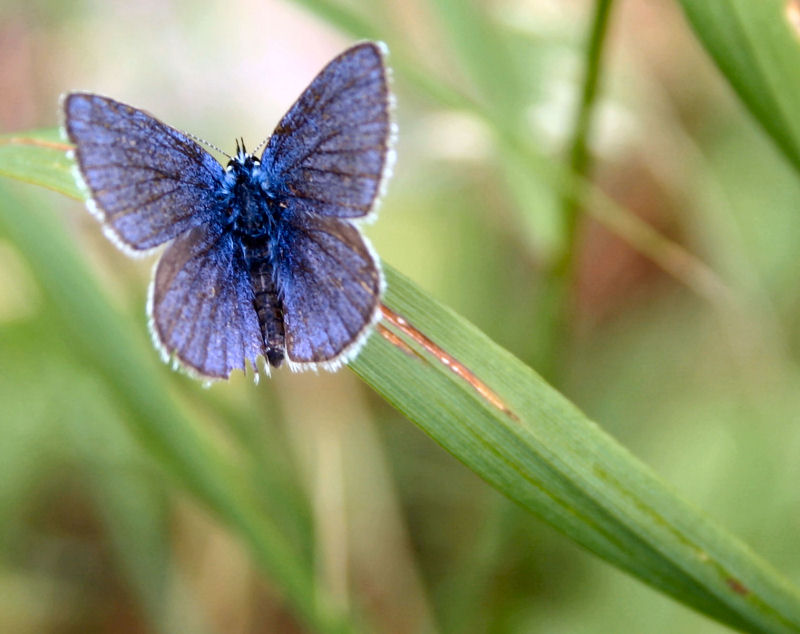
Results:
x,y
242,158
243,167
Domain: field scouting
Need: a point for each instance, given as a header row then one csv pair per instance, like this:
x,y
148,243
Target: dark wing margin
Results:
x,y
201,305
332,153
147,182
330,285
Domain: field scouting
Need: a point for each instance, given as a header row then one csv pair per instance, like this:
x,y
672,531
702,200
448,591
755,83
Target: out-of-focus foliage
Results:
x,y
94,538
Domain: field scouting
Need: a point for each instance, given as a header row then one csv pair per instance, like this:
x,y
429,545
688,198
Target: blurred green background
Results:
x,y
95,535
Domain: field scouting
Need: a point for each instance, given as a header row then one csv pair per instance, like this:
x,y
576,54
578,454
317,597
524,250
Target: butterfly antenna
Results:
x,y
207,144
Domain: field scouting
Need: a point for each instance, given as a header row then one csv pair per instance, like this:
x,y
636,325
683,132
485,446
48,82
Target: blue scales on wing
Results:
x,y
330,286
149,182
331,152
202,303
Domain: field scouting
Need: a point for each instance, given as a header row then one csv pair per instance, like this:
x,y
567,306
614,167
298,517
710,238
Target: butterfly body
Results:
x,y
251,210
264,258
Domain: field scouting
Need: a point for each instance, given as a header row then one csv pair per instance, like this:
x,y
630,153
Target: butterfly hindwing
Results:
x,y
331,153
330,284
149,182
201,304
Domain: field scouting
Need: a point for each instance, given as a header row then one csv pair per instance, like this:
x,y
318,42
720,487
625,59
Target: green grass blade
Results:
x,y
547,456
556,296
754,46
559,465
38,158
579,158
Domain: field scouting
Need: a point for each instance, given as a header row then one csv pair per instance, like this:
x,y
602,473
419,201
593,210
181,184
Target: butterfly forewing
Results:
x,y
331,152
201,304
149,182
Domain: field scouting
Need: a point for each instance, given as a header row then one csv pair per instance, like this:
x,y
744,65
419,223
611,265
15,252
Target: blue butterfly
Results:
x,y
265,258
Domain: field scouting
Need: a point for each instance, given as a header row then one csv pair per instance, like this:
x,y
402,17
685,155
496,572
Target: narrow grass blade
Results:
x,y
534,446
757,48
38,157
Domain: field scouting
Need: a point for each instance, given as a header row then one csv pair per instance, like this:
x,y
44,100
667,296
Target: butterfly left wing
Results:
x,y
201,304
148,182
330,285
332,152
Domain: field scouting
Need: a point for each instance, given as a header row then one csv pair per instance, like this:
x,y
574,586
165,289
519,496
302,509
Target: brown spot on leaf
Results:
x,y
736,586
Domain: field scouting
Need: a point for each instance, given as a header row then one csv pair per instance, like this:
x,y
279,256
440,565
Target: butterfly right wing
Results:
x,y
330,284
326,164
148,182
332,152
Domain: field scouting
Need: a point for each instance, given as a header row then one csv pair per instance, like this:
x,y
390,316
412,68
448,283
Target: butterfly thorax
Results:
x,y
245,197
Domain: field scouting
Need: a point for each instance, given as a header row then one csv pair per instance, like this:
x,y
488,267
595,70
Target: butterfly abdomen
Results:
x,y
267,304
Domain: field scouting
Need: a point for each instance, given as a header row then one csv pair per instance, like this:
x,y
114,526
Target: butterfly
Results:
x,y
264,256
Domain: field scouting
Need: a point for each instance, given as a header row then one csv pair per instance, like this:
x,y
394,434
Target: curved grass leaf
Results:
x,y
757,48
504,422
548,457
39,158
